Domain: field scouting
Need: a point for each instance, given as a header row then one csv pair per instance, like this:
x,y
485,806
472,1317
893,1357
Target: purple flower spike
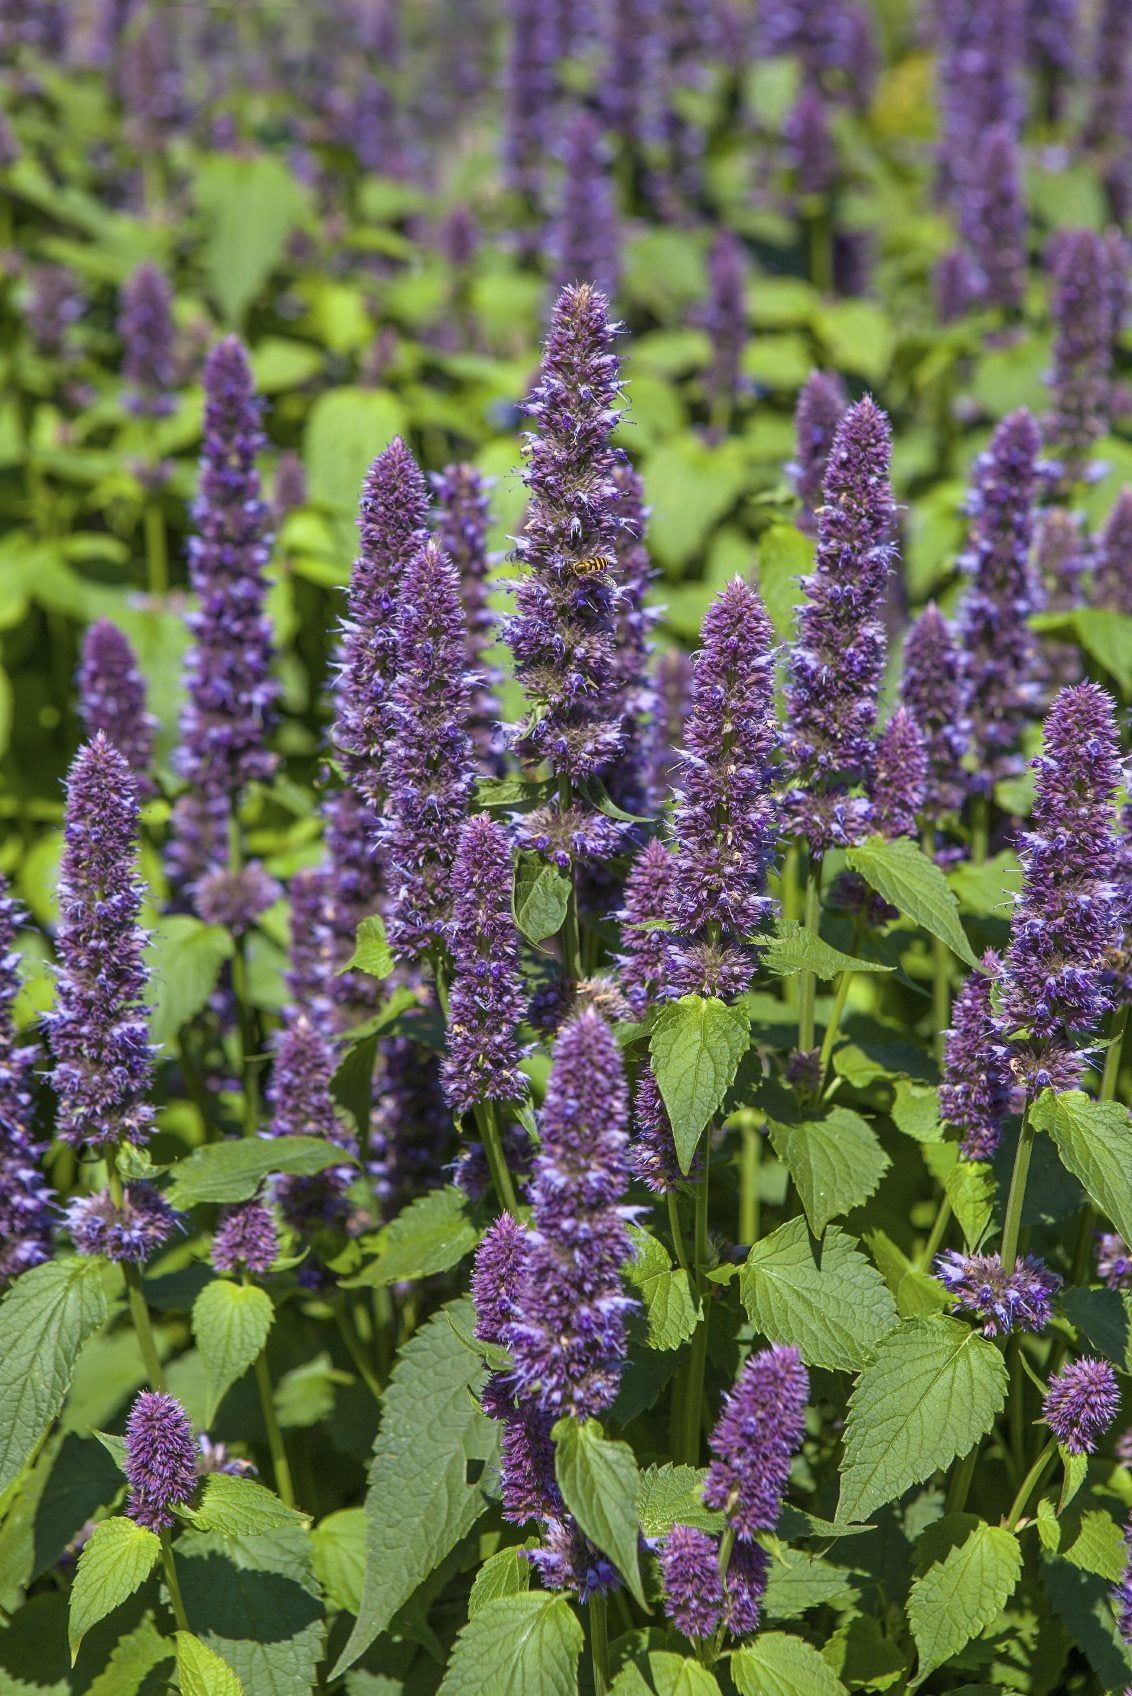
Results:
x,y
975,1092
1122,1592
290,489
112,699
1067,924
429,756
822,403
302,1104
810,147
1082,351
245,1236
161,1459
652,1153
756,1438
495,1277
672,703
726,324
25,1199
648,897
932,691
584,239
1081,1403
724,820
130,1233
980,82
1114,1261
146,328
99,1027
531,89
231,691
979,1284
628,777
693,1589
957,284
392,528
462,526
487,999
568,1341
899,781
992,217
999,648
747,1573
838,661
1112,576
562,632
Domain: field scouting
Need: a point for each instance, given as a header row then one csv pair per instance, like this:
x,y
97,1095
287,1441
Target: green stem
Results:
x,y
487,1118
139,1313
840,996
750,1155
807,991
980,828
172,1583
156,551
961,1482
679,1250
1012,1226
599,1644
1030,1483
941,996
693,1384
357,1353
931,1247
247,1035
1113,1057
279,1463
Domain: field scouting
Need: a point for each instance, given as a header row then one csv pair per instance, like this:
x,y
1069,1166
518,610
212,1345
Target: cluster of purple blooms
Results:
x,y
161,1460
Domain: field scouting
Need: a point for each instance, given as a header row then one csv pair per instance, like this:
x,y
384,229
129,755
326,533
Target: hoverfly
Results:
x,y
591,564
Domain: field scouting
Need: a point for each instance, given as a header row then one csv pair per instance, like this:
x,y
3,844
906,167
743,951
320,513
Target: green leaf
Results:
x,y
254,1601
184,958
671,1304
419,1500
239,1507
696,1046
901,872
777,1664
233,1171
662,1673
599,1482
915,1110
673,1495
132,1659
45,1319
793,948
540,898
345,428
251,204
1094,1140
934,1388
117,1559
201,1670
506,1573
372,953
430,1235
230,1324
526,1645
338,1544
1107,637
800,1580
836,1163
960,1596
826,1298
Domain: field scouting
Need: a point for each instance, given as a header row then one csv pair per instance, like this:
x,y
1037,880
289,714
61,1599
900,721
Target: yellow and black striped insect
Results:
x,y
591,564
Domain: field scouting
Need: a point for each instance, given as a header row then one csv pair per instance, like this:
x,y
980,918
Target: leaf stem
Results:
x,y
175,1598
487,1118
599,1644
936,1235
807,988
353,1342
571,932
961,1481
1030,1483
139,1313
156,552
674,1227
1012,1226
279,1463
692,1388
749,1157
